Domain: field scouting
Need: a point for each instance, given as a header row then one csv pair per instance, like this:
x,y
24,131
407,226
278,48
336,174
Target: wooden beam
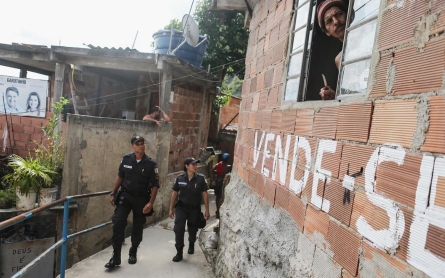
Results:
x,y
24,67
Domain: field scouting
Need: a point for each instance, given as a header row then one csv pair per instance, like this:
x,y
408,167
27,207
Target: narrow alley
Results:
x,y
154,255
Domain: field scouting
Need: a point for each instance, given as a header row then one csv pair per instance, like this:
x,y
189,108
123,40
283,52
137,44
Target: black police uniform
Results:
x,y
139,178
188,206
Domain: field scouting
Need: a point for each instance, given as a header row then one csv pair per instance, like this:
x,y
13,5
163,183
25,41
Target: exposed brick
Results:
x,y
399,182
263,100
355,158
304,122
253,84
435,136
24,137
394,122
251,122
316,221
266,120
17,128
376,217
260,79
297,209
402,250
341,201
301,153
276,120
26,121
354,122
268,78
272,99
279,51
331,161
288,120
269,191
28,129
374,262
430,62
278,73
282,197
285,26
345,245
325,122
409,13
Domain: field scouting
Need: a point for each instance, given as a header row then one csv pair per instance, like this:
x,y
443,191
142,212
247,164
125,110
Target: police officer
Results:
x,y
138,181
192,188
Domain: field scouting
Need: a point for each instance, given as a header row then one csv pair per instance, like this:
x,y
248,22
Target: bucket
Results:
x,y
26,202
192,55
47,196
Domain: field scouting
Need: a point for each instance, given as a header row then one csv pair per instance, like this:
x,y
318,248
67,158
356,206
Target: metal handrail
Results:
x,y
65,237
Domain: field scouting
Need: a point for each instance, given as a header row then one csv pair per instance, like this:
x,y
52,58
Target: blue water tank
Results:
x,y
193,55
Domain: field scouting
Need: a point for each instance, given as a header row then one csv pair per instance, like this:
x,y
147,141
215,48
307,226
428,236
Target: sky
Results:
x,y
100,23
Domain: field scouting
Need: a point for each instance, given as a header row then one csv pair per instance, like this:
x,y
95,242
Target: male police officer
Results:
x,y
191,187
139,183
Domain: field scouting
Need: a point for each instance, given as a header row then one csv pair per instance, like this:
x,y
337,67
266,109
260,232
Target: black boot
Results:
x,y
116,259
132,255
178,256
191,247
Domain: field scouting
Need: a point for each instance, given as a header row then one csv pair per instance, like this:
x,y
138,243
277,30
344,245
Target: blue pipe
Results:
x,y
66,211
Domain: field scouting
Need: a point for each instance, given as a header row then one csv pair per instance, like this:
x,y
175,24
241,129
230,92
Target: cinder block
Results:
x,y
435,135
288,120
304,122
394,122
276,120
316,221
355,158
325,122
269,192
345,245
403,18
282,197
341,201
354,122
375,216
297,210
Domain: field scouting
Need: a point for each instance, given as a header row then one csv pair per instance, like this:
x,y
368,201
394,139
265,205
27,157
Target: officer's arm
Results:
x,y
173,198
116,186
205,197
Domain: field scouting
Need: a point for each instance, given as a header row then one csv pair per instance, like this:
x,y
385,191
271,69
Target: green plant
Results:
x,y
7,195
28,174
222,99
51,151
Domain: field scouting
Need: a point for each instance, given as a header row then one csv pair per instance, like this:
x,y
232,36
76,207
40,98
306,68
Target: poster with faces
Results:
x,y
22,96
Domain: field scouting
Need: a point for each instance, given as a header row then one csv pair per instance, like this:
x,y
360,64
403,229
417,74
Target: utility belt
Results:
x,y
181,204
137,193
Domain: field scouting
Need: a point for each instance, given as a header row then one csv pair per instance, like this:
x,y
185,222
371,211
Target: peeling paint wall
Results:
x,y
95,147
341,189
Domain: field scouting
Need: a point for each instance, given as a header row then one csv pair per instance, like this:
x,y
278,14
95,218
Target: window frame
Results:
x,y
301,94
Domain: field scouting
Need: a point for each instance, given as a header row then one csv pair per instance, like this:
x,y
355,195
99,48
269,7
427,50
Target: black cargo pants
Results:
x,y
183,214
129,202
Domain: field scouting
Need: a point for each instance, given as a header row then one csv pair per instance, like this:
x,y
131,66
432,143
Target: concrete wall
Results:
x,y
287,212
95,147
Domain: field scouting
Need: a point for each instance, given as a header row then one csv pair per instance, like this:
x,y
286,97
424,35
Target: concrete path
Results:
x,y
154,256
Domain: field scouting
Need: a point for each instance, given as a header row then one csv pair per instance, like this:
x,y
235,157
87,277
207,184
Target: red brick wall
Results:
x,y
229,111
395,138
185,111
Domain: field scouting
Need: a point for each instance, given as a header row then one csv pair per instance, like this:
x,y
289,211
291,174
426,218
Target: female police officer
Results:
x,y
192,187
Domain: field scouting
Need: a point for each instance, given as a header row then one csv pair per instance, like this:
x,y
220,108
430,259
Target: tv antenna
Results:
x,y
190,33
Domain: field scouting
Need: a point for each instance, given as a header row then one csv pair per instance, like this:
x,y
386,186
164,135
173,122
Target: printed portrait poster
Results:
x,y
23,96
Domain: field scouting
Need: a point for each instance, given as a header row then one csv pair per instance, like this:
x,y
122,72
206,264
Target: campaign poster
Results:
x,y
23,96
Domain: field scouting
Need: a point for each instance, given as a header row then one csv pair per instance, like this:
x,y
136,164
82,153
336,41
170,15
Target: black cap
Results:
x,y
189,160
136,138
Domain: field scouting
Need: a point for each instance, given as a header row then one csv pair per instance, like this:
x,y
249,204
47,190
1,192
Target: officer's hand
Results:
x,y
171,214
147,208
158,123
207,215
112,201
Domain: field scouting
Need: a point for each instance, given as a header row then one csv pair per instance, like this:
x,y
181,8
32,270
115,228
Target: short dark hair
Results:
x,y
14,89
153,109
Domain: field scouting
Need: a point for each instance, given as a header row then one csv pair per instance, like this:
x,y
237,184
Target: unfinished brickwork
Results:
x,y
293,164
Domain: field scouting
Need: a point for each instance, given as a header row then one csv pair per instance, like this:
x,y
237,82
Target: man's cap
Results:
x,y
136,138
189,160
324,6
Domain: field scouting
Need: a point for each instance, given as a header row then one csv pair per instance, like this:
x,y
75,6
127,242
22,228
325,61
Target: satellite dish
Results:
x,y
190,30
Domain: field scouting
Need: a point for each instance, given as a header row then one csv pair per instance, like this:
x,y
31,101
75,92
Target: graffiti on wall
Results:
x,y
278,150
